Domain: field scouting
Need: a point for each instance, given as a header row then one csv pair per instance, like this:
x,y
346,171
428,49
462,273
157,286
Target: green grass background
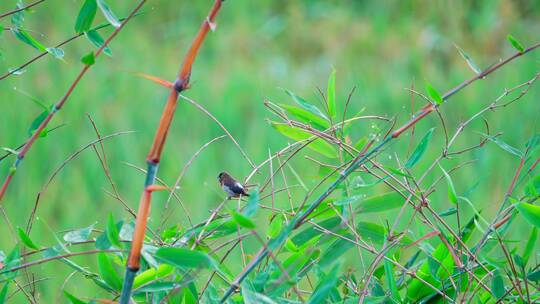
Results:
x,y
259,47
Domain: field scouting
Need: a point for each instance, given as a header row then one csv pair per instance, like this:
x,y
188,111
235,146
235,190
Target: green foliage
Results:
x,y
86,16
530,212
331,94
516,44
318,145
419,150
107,271
88,59
434,94
25,239
184,258
107,12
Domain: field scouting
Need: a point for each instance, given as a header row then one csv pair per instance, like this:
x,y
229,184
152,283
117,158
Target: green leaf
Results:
x,y
37,122
108,273
274,228
25,239
391,281
469,60
86,16
306,117
497,284
306,105
253,203
530,212
112,232
534,276
529,247
3,293
243,221
331,94
325,286
152,274
58,53
504,145
379,203
419,150
17,19
359,145
89,59
516,44
73,299
95,38
452,196
448,212
434,94
107,12
25,37
78,235
318,145
184,258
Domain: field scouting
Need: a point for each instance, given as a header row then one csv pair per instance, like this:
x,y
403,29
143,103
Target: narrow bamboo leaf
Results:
x,y
253,203
419,150
379,203
86,16
529,247
274,228
452,196
37,122
112,232
306,117
398,172
347,200
25,239
89,59
469,60
516,44
497,284
318,145
17,19
243,221
534,276
95,38
3,293
391,281
448,212
25,37
506,147
184,258
58,53
532,188
73,299
331,94
107,12
434,94
78,235
252,297
152,274
107,272
359,145
325,286
306,105
530,212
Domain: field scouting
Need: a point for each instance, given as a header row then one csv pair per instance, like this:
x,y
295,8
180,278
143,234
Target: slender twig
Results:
x,y
21,8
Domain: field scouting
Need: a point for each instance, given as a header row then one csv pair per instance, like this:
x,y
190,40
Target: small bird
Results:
x,y
231,186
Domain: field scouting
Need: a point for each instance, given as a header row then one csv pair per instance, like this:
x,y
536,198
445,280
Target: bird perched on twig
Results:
x,y
231,186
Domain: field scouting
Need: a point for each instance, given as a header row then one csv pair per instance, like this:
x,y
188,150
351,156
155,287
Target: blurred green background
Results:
x,y
259,48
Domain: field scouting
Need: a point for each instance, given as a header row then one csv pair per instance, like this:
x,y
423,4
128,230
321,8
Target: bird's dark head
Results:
x,y
222,175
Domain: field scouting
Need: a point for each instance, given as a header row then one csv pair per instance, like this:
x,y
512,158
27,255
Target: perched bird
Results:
x,y
231,186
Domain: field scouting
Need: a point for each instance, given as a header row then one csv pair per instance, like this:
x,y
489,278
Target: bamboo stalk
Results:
x,y
181,84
